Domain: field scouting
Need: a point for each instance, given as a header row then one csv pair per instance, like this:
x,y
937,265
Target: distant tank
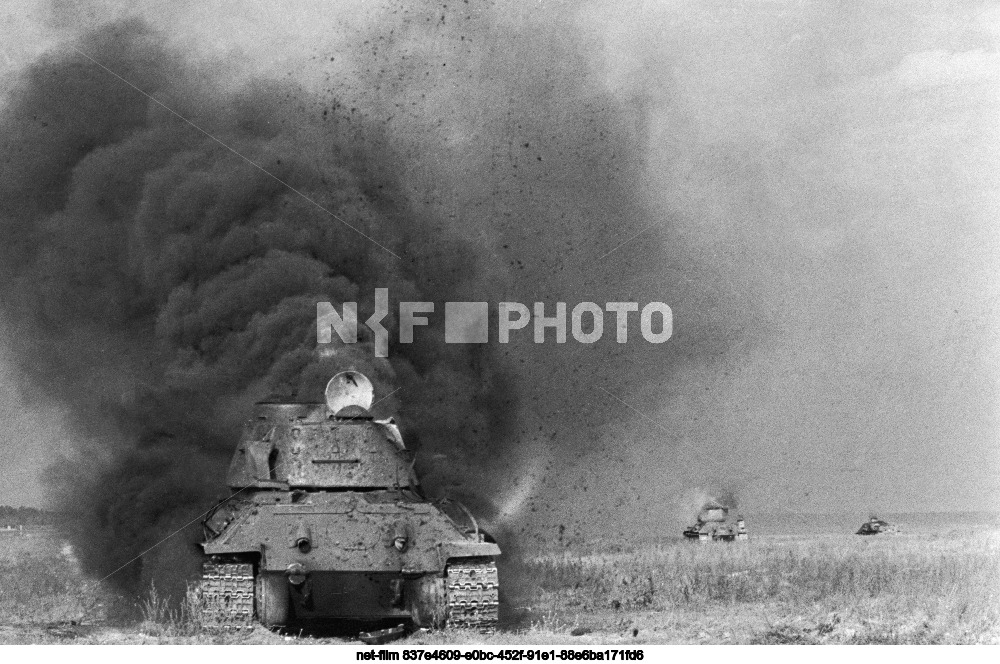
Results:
x,y
327,522
715,525
875,526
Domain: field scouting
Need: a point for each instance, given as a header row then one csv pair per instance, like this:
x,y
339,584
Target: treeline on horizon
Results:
x,y
26,516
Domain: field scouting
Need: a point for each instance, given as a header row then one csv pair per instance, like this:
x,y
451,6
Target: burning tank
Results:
x,y
326,521
875,526
715,525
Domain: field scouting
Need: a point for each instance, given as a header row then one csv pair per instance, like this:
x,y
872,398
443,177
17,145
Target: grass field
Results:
x,y
905,588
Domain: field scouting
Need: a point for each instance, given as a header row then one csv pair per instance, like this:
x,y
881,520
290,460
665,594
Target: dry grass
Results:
x,y
893,589
900,588
40,582
164,618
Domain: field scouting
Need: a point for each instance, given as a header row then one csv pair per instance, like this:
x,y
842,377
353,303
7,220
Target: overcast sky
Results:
x,y
836,164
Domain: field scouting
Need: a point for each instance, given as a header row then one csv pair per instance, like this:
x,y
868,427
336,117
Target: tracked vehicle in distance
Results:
x,y
327,522
876,526
715,525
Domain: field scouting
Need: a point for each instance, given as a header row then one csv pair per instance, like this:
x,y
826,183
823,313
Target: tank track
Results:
x,y
226,596
473,595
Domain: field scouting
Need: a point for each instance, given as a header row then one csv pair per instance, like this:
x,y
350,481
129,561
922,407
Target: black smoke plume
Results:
x,y
157,282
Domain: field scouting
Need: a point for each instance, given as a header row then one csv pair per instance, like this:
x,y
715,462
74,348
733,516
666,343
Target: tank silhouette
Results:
x,y
875,526
715,525
327,522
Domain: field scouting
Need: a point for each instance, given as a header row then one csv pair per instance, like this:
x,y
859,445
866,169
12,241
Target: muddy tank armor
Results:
x,y
327,521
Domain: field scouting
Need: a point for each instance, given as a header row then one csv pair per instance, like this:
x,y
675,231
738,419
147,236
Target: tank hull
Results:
x,y
364,556
346,531
875,526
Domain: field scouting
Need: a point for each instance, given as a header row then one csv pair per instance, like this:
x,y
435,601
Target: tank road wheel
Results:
x,y
272,599
473,594
226,596
428,601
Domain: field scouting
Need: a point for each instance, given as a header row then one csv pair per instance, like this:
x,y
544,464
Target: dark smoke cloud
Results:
x,y
157,283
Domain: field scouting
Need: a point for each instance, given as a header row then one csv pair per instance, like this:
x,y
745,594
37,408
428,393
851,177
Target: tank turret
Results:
x,y
326,521
304,446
